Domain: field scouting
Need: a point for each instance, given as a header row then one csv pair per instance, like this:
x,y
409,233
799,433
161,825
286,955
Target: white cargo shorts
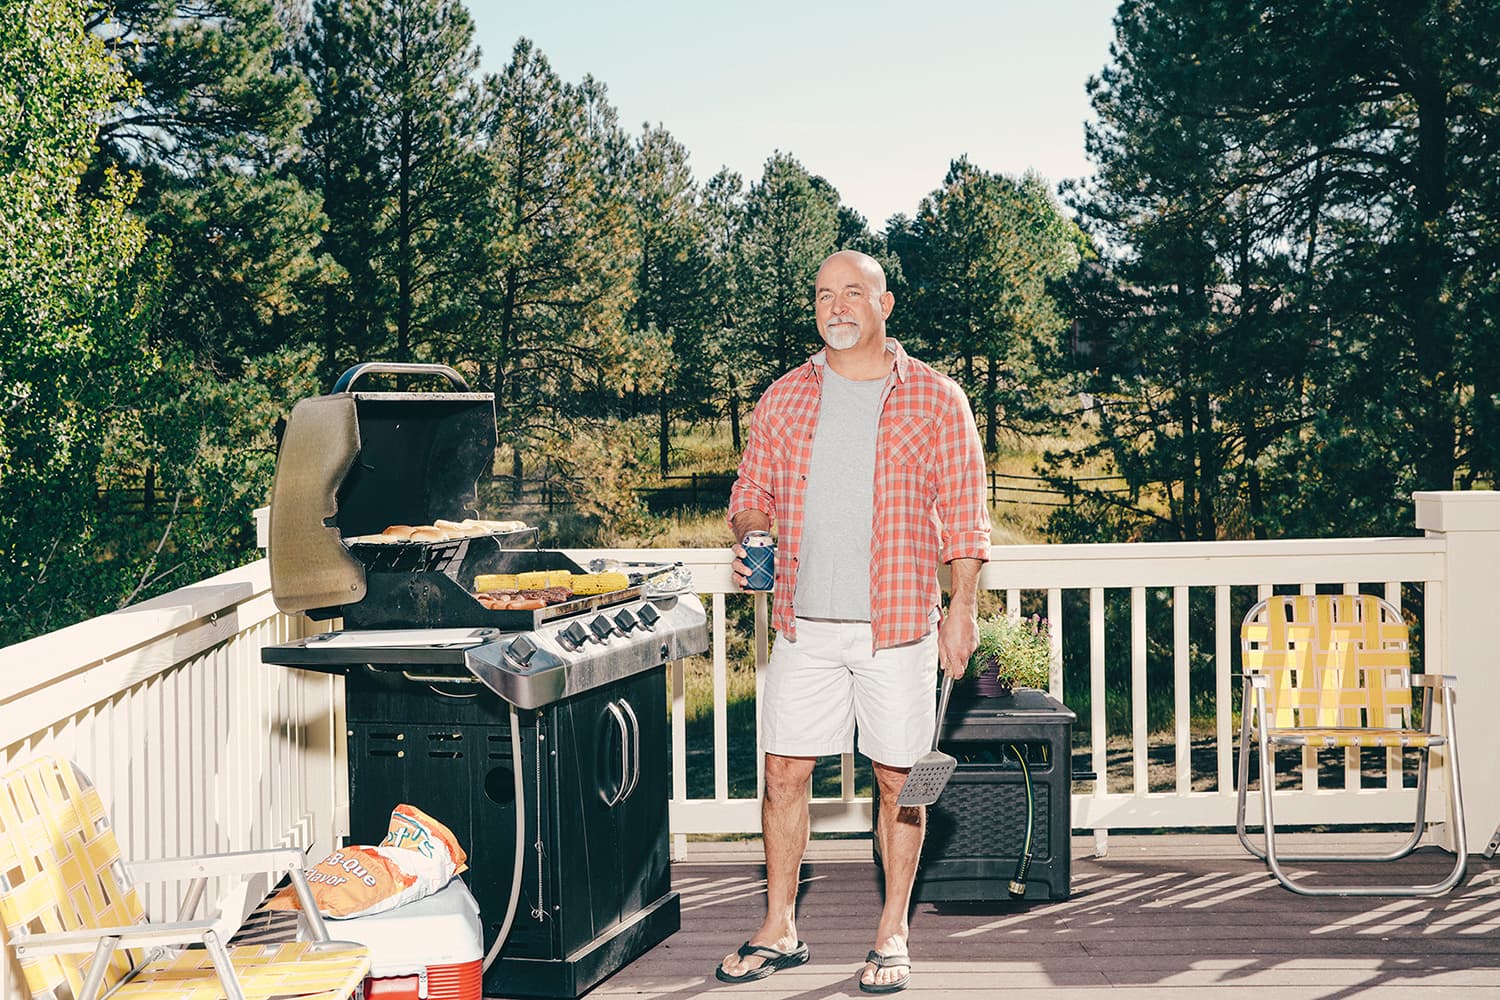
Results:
x,y
825,685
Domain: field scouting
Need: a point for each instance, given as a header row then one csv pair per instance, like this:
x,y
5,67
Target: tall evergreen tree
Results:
x,y
979,256
791,225
672,316
393,151
559,260
1294,192
721,213
211,124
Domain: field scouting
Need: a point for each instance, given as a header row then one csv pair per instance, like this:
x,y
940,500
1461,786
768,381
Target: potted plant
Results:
x,y
1012,654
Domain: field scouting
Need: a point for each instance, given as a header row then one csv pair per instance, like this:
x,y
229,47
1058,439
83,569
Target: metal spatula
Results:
x,y
929,775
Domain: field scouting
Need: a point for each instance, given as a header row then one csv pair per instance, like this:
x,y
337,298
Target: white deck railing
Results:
x,y
201,747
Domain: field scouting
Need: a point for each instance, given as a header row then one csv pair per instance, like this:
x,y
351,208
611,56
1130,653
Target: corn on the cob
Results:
x,y
486,582
539,579
599,583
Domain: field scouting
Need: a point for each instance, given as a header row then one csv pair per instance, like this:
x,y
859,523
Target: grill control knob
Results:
x,y
602,627
626,621
649,616
520,651
573,636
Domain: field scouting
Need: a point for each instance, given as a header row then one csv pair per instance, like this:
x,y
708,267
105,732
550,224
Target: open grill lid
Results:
x,y
354,463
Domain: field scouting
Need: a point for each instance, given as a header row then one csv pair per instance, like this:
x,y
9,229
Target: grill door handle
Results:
x,y
613,708
635,748
399,368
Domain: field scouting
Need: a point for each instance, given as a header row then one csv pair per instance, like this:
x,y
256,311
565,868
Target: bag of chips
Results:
x,y
418,857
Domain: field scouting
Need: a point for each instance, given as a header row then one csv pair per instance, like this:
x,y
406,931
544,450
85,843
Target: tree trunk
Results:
x,y
992,408
663,433
403,240
734,419
1433,403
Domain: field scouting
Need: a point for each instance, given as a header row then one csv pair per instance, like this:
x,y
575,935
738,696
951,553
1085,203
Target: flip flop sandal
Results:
x,y
772,961
882,962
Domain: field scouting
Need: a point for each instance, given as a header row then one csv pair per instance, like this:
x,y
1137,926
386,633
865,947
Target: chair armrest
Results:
x,y
131,936
1434,680
215,865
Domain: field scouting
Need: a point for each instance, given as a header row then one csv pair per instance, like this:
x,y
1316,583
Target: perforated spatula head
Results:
x,y
929,775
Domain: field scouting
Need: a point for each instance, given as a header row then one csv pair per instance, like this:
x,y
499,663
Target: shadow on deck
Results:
x,y
1169,915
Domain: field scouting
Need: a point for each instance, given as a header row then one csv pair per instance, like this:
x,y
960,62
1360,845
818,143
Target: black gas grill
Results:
x,y
434,680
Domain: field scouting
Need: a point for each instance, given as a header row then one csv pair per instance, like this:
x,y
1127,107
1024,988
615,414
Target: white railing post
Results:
x,y
1469,524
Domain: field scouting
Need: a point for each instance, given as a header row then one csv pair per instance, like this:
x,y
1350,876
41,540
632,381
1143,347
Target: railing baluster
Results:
x,y
678,675
1098,701
721,701
762,656
1055,642
1182,694
1309,754
1353,780
1395,762
1138,734
1223,690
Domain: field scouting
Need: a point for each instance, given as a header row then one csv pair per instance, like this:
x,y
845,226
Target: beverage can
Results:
x,y
760,557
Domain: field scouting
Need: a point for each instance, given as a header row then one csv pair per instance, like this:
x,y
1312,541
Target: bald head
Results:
x,y
869,266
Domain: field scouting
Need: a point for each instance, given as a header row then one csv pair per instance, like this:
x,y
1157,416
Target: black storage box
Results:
x,y
976,830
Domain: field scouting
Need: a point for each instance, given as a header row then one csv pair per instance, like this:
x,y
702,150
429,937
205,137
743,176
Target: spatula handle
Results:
x,y
937,731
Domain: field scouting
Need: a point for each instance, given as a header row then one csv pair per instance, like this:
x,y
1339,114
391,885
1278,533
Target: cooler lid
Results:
x,y
441,929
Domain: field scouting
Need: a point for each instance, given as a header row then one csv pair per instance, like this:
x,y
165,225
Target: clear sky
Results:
x,y
876,97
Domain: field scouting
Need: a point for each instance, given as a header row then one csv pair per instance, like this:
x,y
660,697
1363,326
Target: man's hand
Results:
x,y
745,522
958,637
738,569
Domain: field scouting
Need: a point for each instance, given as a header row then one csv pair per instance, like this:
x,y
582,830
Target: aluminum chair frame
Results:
x,y
1335,712
63,862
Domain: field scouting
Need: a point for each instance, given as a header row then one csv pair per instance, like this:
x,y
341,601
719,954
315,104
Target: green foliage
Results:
x,y
391,151
559,259
77,287
1017,651
211,122
979,257
1295,328
791,223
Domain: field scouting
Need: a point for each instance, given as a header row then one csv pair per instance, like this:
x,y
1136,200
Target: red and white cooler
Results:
x,y
429,949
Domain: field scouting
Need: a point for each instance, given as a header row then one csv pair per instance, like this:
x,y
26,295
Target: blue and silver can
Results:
x,y
760,556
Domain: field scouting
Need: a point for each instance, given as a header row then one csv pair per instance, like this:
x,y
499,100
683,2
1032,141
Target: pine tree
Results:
x,y
791,224
392,151
979,256
211,124
559,261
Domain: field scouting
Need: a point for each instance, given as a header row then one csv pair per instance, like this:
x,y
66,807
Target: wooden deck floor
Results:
x,y
1169,916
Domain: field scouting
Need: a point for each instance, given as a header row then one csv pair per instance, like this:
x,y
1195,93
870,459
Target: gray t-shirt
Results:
x,y
833,569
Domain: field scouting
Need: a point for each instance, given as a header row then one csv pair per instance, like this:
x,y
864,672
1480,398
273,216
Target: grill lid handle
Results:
x,y
398,368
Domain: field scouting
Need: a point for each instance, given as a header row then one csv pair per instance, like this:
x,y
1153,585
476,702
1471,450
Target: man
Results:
x,y
870,464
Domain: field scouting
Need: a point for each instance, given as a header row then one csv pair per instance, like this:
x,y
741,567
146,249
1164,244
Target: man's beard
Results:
x,y
841,336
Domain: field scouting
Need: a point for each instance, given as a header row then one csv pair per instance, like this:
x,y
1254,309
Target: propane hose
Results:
x,y
515,878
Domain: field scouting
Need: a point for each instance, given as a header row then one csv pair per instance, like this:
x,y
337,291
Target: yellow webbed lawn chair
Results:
x,y
1334,670
72,914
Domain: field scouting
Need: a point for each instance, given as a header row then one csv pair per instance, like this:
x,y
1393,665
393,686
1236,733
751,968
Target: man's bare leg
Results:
x,y
784,826
900,830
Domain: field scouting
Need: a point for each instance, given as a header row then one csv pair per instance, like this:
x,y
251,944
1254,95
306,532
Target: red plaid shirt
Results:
x,y
930,491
